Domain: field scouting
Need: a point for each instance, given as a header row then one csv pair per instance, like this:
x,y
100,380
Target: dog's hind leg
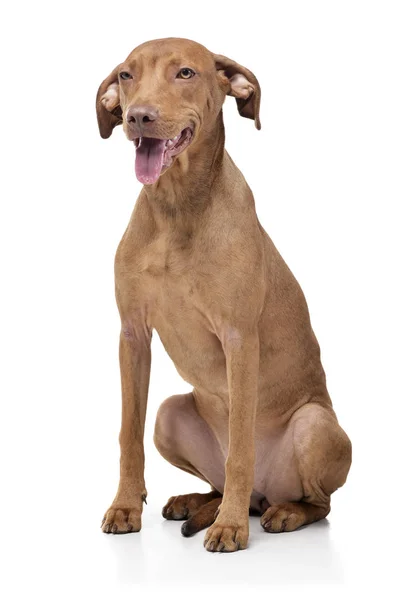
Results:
x,y
203,518
323,455
184,439
182,507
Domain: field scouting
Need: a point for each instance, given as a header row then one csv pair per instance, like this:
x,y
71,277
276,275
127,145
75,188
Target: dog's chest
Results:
x,y
167,279
166,260
170,273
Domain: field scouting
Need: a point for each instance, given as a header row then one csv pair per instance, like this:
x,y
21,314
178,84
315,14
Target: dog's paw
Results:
x,y
283,517
221,537
121,520
182,507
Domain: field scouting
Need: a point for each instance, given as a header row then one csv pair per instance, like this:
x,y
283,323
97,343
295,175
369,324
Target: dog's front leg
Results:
x,y
231,529
124,515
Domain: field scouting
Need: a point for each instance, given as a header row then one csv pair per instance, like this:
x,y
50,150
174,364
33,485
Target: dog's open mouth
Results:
x,y
153,155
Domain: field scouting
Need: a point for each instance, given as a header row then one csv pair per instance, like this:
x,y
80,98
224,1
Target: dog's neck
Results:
x,y
185,188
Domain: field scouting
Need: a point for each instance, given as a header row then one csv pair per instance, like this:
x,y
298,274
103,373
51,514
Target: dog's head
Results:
x,y
165,94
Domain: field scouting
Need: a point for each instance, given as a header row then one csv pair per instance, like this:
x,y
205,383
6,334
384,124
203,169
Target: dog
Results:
x,y
196,265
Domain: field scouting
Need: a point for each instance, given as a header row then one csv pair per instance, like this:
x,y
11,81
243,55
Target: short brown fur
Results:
x,y
196,265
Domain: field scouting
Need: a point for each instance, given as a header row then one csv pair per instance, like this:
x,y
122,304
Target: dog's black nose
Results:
x,y
142,114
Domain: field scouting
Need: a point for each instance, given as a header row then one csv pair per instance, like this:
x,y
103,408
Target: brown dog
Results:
x,y
196,265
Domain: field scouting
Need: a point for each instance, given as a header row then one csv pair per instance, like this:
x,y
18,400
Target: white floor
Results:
x,y
61,553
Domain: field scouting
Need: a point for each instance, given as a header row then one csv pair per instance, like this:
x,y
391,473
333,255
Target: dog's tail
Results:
x,y
203,518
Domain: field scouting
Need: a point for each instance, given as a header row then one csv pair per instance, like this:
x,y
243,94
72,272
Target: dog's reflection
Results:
x,y
304,556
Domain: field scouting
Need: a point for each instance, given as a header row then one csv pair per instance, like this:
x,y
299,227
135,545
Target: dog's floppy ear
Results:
x,y
109,112
239,82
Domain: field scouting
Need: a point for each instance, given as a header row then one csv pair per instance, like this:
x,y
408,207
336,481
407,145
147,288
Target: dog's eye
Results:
x,y
125,75
185,73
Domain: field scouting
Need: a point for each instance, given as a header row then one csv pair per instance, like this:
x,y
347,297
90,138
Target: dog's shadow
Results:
x,y
159,555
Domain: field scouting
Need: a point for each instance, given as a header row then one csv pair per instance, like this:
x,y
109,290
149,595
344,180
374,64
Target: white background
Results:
x,y
333,175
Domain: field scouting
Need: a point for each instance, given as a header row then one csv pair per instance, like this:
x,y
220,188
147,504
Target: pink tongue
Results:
x,y
149,160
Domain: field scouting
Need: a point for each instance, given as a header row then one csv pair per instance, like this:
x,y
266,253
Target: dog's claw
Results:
x,y
282,517
226,538
122,520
